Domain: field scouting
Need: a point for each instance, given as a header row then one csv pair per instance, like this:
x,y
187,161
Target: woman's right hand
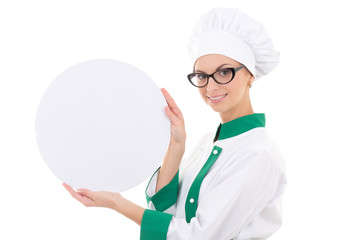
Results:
x,y
178,134
176,149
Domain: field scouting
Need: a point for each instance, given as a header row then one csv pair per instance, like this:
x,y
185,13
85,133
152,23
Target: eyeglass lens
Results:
x,y
222,76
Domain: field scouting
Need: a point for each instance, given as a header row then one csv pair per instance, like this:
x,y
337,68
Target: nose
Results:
x,y
212,85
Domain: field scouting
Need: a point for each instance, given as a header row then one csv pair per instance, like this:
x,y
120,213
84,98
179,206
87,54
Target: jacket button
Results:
x,y
215,152
191,200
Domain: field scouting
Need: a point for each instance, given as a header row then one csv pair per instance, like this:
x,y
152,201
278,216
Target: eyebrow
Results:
x,y
216,68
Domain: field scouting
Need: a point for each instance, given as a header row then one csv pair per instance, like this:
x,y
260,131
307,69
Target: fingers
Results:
x,y
70,189
171,102
82,196
171,115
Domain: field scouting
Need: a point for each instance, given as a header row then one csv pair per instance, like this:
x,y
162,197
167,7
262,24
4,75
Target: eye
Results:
x,y
224,72
201,76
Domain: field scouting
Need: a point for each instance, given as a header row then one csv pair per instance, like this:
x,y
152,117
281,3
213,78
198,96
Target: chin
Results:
x,y
216,108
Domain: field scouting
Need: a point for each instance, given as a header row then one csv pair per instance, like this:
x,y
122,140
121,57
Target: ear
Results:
x,y
251,80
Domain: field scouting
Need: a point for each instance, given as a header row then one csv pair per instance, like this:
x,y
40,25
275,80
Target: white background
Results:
x,y
311,102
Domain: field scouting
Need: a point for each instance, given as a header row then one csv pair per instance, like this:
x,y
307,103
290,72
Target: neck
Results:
x,y
242,109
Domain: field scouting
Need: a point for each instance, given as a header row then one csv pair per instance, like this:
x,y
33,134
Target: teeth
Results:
x,y
216,98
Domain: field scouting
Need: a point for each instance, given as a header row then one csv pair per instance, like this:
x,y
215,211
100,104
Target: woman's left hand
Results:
x,y
94,199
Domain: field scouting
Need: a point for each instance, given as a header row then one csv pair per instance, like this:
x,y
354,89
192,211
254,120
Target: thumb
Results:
x,y
85,192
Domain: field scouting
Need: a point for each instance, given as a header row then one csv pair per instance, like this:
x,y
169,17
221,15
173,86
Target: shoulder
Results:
x,y
251,148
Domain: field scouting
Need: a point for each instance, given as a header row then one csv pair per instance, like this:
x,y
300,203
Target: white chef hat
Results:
x,y
230,32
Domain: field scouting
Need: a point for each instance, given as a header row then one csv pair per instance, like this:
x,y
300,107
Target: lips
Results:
x,y
217,98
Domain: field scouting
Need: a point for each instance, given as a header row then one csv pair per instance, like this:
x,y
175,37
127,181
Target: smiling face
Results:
x,y
230,100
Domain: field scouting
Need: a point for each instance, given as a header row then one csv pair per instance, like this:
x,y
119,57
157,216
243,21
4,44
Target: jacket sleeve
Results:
x,y
164,199
161,208
241,191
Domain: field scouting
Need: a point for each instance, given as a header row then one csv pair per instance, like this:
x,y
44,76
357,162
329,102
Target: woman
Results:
x,y
231,184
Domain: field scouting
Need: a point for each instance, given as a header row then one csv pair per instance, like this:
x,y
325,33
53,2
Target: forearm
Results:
x,y
170,165
129,210
172,159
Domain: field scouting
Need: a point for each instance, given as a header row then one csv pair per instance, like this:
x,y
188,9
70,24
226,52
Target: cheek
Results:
x,y
202,92
234,86
237,89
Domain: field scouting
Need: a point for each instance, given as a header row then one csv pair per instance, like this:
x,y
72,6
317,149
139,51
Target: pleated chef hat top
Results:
x,y
230,32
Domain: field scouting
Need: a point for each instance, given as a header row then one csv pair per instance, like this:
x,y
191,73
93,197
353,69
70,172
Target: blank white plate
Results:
x,y
101,125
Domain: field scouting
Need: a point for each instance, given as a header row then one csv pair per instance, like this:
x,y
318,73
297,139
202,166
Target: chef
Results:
x,y
231,184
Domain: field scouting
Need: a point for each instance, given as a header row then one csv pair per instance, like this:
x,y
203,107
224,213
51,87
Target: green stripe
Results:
x,y
240,125
193,195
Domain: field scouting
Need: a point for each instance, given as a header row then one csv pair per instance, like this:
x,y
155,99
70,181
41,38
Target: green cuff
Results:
x,y
154,225
167,196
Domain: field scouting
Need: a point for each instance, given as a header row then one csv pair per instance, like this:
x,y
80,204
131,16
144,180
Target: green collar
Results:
x,y
239,126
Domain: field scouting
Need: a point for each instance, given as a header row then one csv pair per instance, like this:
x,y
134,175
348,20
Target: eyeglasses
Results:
x,y
221,76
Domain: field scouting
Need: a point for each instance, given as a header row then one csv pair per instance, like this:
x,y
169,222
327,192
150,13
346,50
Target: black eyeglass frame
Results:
x,y
233,70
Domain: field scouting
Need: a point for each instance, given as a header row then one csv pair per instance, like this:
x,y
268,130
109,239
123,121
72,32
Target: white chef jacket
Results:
x,y
229,187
